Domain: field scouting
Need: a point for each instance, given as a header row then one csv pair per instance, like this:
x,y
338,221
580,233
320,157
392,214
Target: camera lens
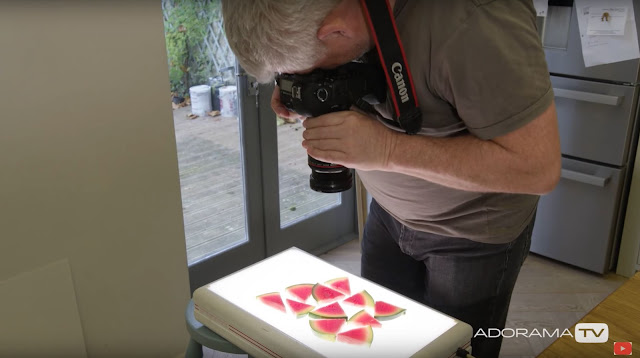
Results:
x,y
328,177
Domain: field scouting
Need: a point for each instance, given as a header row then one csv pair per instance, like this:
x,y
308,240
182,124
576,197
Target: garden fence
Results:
x,y
215,48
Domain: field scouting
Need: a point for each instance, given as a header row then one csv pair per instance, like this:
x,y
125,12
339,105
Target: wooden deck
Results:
x,y
212,186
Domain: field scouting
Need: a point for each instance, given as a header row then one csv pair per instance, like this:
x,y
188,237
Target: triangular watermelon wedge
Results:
x,y
326,328
298,308
362,318
363,335
385,311
323,294
341,284
301,291
331,311
361,299
272,299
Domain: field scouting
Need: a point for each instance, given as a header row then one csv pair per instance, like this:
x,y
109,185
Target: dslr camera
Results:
x,y
325,91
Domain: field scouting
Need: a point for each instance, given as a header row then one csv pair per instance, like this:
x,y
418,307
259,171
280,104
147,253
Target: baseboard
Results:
x,y
332,245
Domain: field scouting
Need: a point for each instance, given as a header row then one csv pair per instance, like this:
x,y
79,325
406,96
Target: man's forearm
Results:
x,y
468,163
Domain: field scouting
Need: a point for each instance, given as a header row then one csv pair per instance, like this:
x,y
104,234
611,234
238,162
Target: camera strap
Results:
x,y
394,63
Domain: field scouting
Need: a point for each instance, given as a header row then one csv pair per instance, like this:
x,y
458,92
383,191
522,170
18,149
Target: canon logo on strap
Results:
x,y
402,88
393,61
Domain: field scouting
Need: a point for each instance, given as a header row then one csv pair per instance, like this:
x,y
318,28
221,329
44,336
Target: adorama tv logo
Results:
x,y
622,348
592,332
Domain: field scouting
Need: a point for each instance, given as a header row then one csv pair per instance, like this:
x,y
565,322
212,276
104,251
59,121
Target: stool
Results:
x,y
203,336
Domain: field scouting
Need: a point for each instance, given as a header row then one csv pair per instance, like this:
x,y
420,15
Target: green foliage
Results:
x,y
186,26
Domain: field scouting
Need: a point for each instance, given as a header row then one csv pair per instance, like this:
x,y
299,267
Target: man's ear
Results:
x,y
332,28
334,24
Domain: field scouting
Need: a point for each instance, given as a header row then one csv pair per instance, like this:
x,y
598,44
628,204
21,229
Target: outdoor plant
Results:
x,y
186,24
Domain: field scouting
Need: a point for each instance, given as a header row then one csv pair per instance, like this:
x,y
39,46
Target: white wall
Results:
x,y
88,172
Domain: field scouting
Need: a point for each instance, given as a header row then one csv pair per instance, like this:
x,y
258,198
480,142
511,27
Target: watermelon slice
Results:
x,y
362,318
272,299
323,294
341,284
326,328
301,291
362,299
362,335
386,311
299,308
331,311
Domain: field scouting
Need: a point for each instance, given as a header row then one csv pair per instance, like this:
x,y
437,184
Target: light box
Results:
x,y
230,308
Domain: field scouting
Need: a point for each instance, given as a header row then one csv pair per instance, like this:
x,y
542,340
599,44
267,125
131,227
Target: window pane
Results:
x,y
297,200
204,98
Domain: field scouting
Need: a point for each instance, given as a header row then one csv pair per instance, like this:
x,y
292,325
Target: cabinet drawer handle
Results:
x,y
585,178
588,96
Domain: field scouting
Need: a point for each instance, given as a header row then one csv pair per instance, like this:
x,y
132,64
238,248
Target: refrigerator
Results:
x,y
580,221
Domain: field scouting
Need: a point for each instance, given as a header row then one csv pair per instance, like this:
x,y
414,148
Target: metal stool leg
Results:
x,y
194,350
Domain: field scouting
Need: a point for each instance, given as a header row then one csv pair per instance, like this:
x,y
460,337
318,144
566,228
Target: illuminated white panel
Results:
x,y
400,337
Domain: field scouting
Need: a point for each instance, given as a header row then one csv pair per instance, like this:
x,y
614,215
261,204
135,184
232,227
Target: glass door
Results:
x,y
295,215
244,179
216,129
226,232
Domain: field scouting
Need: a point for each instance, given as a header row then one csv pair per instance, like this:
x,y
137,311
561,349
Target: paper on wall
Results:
x,y
541,7
603,49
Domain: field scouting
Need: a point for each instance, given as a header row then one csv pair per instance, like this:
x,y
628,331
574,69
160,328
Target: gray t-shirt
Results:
x,y
478,68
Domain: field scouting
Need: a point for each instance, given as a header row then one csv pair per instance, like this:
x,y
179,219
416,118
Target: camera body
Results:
x,y
325,91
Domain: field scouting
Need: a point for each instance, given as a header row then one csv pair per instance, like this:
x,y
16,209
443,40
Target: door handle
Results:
x,y
588,96
585,178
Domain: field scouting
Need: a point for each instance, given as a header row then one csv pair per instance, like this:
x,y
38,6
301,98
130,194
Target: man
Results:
x,y
454,206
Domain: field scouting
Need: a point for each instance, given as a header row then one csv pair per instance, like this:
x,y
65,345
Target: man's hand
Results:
x,y
349,138
281,110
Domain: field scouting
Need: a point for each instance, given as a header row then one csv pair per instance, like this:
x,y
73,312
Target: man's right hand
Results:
x,y
281,110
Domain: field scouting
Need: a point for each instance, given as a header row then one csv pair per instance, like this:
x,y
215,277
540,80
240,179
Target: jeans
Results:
x,y
468,280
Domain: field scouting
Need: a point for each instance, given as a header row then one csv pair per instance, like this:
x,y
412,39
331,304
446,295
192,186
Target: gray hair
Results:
x,y
269,36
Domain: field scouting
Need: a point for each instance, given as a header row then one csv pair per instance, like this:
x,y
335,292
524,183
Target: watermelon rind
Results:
x,y
300,291
323,294
331,311
360,336
298,308
327,337
362,318
330,335
341,284
361,299
272,299
386,311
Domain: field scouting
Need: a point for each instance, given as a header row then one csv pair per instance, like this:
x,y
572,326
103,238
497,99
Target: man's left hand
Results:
x,y
349,138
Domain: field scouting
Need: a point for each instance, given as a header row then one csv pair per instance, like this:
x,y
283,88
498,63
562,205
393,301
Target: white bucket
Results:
x,y
200,99
228,101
